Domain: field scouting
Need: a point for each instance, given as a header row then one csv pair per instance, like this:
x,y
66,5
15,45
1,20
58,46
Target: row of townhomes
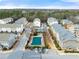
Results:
x,y
9,31
38,25
6,20
66,33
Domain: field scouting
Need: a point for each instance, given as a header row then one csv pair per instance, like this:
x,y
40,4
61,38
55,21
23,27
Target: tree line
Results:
x,y
42,14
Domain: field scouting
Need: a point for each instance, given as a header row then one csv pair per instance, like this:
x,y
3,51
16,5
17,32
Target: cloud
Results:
x,y
9,6
70,0
34,5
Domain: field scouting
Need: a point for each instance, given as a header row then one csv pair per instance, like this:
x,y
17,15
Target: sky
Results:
x,y
39,4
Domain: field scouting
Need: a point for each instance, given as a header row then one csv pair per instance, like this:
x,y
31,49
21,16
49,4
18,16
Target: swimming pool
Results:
x,y
36,41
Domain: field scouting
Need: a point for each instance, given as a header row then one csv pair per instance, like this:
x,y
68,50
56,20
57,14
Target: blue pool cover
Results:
x,y
36,41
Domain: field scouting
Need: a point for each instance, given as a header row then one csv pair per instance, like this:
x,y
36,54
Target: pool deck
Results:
x,y
41,44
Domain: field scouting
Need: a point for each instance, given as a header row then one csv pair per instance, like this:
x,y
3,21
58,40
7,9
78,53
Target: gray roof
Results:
x,y
66,21
21,21
6,20
31,55
10,25
6,36
76,26
51,18
37,19
28,54
63,33
7,39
